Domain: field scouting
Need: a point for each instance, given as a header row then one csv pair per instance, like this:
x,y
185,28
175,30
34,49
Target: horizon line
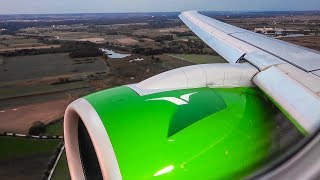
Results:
x,y
133,12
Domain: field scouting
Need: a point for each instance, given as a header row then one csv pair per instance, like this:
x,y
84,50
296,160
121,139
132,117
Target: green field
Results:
x,y
67,35
61,171
48,65
21,147
22,158
199,59
55,129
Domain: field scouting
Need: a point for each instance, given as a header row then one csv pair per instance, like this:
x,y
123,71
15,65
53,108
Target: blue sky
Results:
x,y
110,6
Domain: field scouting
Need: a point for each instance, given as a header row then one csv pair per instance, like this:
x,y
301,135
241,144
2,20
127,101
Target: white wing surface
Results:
x,y
288,74
232,43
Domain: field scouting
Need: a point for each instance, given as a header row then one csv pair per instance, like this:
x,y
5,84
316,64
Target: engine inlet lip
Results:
x,y
82,109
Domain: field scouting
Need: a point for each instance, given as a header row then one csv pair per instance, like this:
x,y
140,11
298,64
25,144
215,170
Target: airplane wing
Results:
x,y
234,43
289,74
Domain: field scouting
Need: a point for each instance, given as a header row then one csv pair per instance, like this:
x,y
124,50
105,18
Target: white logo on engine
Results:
x,y
184,99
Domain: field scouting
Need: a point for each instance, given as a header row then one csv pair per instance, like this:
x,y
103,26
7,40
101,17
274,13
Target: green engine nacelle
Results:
x,y
195,133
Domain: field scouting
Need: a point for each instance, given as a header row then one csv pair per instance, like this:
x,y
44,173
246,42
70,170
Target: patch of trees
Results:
x,y
176,47
147,51
48,41
85,53
164,38
37,128
183,34
75,45
190,47
82,49
74,48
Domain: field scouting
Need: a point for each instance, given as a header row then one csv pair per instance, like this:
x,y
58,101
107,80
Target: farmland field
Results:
x,y
9,41
70,35
312,42
18,91
40,98
127,41
21,118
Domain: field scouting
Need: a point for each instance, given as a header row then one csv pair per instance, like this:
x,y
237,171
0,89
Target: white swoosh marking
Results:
x,y
184,99
173,100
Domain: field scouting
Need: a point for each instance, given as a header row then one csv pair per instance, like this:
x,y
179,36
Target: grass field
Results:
x,y
22,158
55,129
61,171
47,65
199,59
22,147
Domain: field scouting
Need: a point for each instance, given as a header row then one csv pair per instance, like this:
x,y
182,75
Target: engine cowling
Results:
x,y
201,132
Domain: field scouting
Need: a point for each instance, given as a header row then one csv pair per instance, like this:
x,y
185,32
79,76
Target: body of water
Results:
x,y
113,55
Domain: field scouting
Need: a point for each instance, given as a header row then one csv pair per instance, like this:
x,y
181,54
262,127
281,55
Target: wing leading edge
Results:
x,y
233,43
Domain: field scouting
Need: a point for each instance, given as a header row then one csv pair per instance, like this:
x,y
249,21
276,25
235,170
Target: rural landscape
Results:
x,y
47,61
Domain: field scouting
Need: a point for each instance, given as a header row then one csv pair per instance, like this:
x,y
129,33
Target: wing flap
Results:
x,y
294,99
262,60
301,57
